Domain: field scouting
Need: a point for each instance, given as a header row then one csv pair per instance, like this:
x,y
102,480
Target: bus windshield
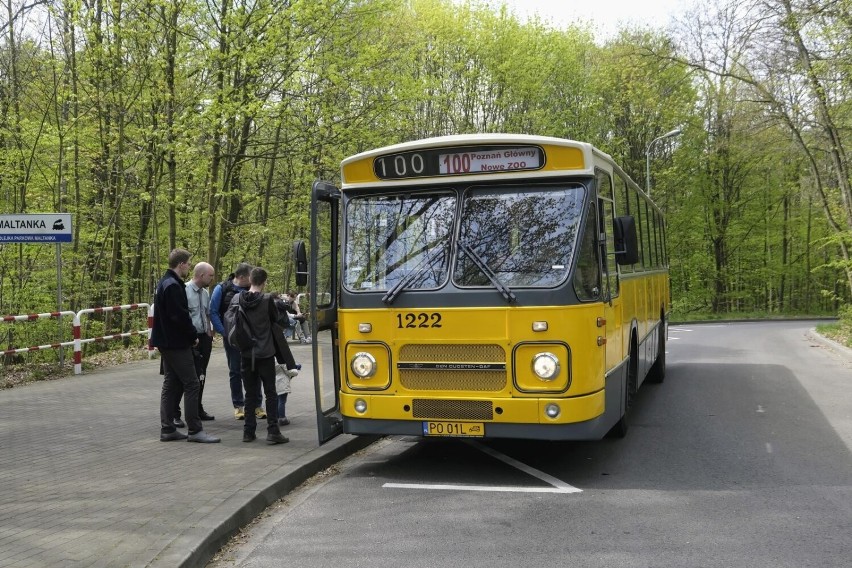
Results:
x,y
398,240
525,236
518,236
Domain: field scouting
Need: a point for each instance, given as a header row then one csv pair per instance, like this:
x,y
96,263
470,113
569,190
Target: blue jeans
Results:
x,y
235,377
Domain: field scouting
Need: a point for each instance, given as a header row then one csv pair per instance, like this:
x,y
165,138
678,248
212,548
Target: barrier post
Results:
x,y
78,351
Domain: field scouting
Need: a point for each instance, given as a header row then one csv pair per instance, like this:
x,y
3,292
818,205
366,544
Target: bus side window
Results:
x,y
587,275
622,207
640,231
650,259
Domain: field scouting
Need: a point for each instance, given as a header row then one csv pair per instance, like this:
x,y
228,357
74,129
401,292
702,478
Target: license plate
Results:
x,y
462,429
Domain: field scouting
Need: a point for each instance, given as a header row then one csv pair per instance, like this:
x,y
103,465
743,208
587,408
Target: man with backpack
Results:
x,y
249,321
219,303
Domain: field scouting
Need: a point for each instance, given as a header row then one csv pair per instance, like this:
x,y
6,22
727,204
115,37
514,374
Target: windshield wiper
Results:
x,y
424,265
477,260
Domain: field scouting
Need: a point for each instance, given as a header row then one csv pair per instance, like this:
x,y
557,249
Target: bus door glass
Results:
x,y
613,305
323,283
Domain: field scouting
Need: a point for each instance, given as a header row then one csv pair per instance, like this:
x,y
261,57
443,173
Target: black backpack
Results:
x,y
241,335
228,291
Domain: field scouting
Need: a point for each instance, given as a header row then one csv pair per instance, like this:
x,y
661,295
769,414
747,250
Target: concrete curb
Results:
x,y
197,545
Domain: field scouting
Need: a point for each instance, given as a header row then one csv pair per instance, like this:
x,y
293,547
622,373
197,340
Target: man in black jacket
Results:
x,y
173,333
258,363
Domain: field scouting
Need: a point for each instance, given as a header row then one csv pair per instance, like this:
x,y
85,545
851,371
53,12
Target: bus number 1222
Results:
x,y
410,320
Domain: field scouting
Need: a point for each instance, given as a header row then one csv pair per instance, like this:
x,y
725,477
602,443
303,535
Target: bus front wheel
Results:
x,y
621,427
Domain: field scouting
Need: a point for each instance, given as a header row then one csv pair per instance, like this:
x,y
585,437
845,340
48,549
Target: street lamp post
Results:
x,y
670,134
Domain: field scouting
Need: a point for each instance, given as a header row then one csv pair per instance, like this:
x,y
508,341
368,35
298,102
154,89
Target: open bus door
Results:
x,y
321,274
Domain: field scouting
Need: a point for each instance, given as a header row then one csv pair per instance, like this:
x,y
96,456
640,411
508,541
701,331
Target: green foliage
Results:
x,y
203,126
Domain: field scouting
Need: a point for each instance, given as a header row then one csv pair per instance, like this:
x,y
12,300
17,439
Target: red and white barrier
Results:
x,y
78,341
33,317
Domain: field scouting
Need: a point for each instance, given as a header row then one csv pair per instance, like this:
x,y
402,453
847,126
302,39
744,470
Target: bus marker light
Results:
x,y
546,366
601,341
552,410
363,365
601,322
539,326
365,327
360,406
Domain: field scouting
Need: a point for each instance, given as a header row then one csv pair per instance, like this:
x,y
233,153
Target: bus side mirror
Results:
x,y
626,243
300,257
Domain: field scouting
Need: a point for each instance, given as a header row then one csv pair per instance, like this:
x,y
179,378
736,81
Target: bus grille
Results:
x,y
452,409
452,379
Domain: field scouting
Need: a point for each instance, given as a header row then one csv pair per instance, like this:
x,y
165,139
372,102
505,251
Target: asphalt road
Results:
x,y
742,458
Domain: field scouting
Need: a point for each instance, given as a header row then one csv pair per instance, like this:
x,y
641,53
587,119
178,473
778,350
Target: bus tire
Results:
x,y
657,372
623,424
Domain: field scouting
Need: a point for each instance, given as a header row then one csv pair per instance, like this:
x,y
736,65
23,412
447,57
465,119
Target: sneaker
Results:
x,y
291,372
276,438
284,421
179,423
249,437
259,412
172,436
240,413
203,438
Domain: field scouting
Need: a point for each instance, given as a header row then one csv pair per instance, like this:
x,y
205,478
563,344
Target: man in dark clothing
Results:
x,y
258,363
173,333
220,301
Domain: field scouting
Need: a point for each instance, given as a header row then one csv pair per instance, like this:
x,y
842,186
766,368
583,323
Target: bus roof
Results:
x,y
561,157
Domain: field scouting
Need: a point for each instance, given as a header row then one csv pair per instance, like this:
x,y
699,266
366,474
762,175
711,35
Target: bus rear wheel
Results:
x,y
657,372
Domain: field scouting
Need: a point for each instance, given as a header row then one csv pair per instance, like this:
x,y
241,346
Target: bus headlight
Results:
x,y
545,366
363,365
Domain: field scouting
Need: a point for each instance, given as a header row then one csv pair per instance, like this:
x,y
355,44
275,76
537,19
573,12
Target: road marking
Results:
x,y
525,468
768,448
760,409
558,486
481,488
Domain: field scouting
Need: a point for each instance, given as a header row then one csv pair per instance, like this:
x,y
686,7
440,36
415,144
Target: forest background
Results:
x,y
202,124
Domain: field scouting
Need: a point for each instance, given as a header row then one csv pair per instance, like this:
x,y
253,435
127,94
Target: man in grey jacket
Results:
x,y
258,363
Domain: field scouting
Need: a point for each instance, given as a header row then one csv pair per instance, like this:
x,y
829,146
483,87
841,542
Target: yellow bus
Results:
x,y
488,285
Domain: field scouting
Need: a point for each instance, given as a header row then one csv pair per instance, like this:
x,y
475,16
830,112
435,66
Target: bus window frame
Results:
x,y
606,219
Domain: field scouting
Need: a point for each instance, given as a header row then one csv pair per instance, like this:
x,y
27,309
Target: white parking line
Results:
x,y
558,486
481,488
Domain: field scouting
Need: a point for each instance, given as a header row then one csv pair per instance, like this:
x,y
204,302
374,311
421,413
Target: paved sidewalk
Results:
x,y
85,480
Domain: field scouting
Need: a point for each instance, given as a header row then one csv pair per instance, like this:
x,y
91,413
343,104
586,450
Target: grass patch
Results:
x,y
18,374
839,332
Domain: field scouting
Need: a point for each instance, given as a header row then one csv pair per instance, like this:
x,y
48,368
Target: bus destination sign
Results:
x,y
458,161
